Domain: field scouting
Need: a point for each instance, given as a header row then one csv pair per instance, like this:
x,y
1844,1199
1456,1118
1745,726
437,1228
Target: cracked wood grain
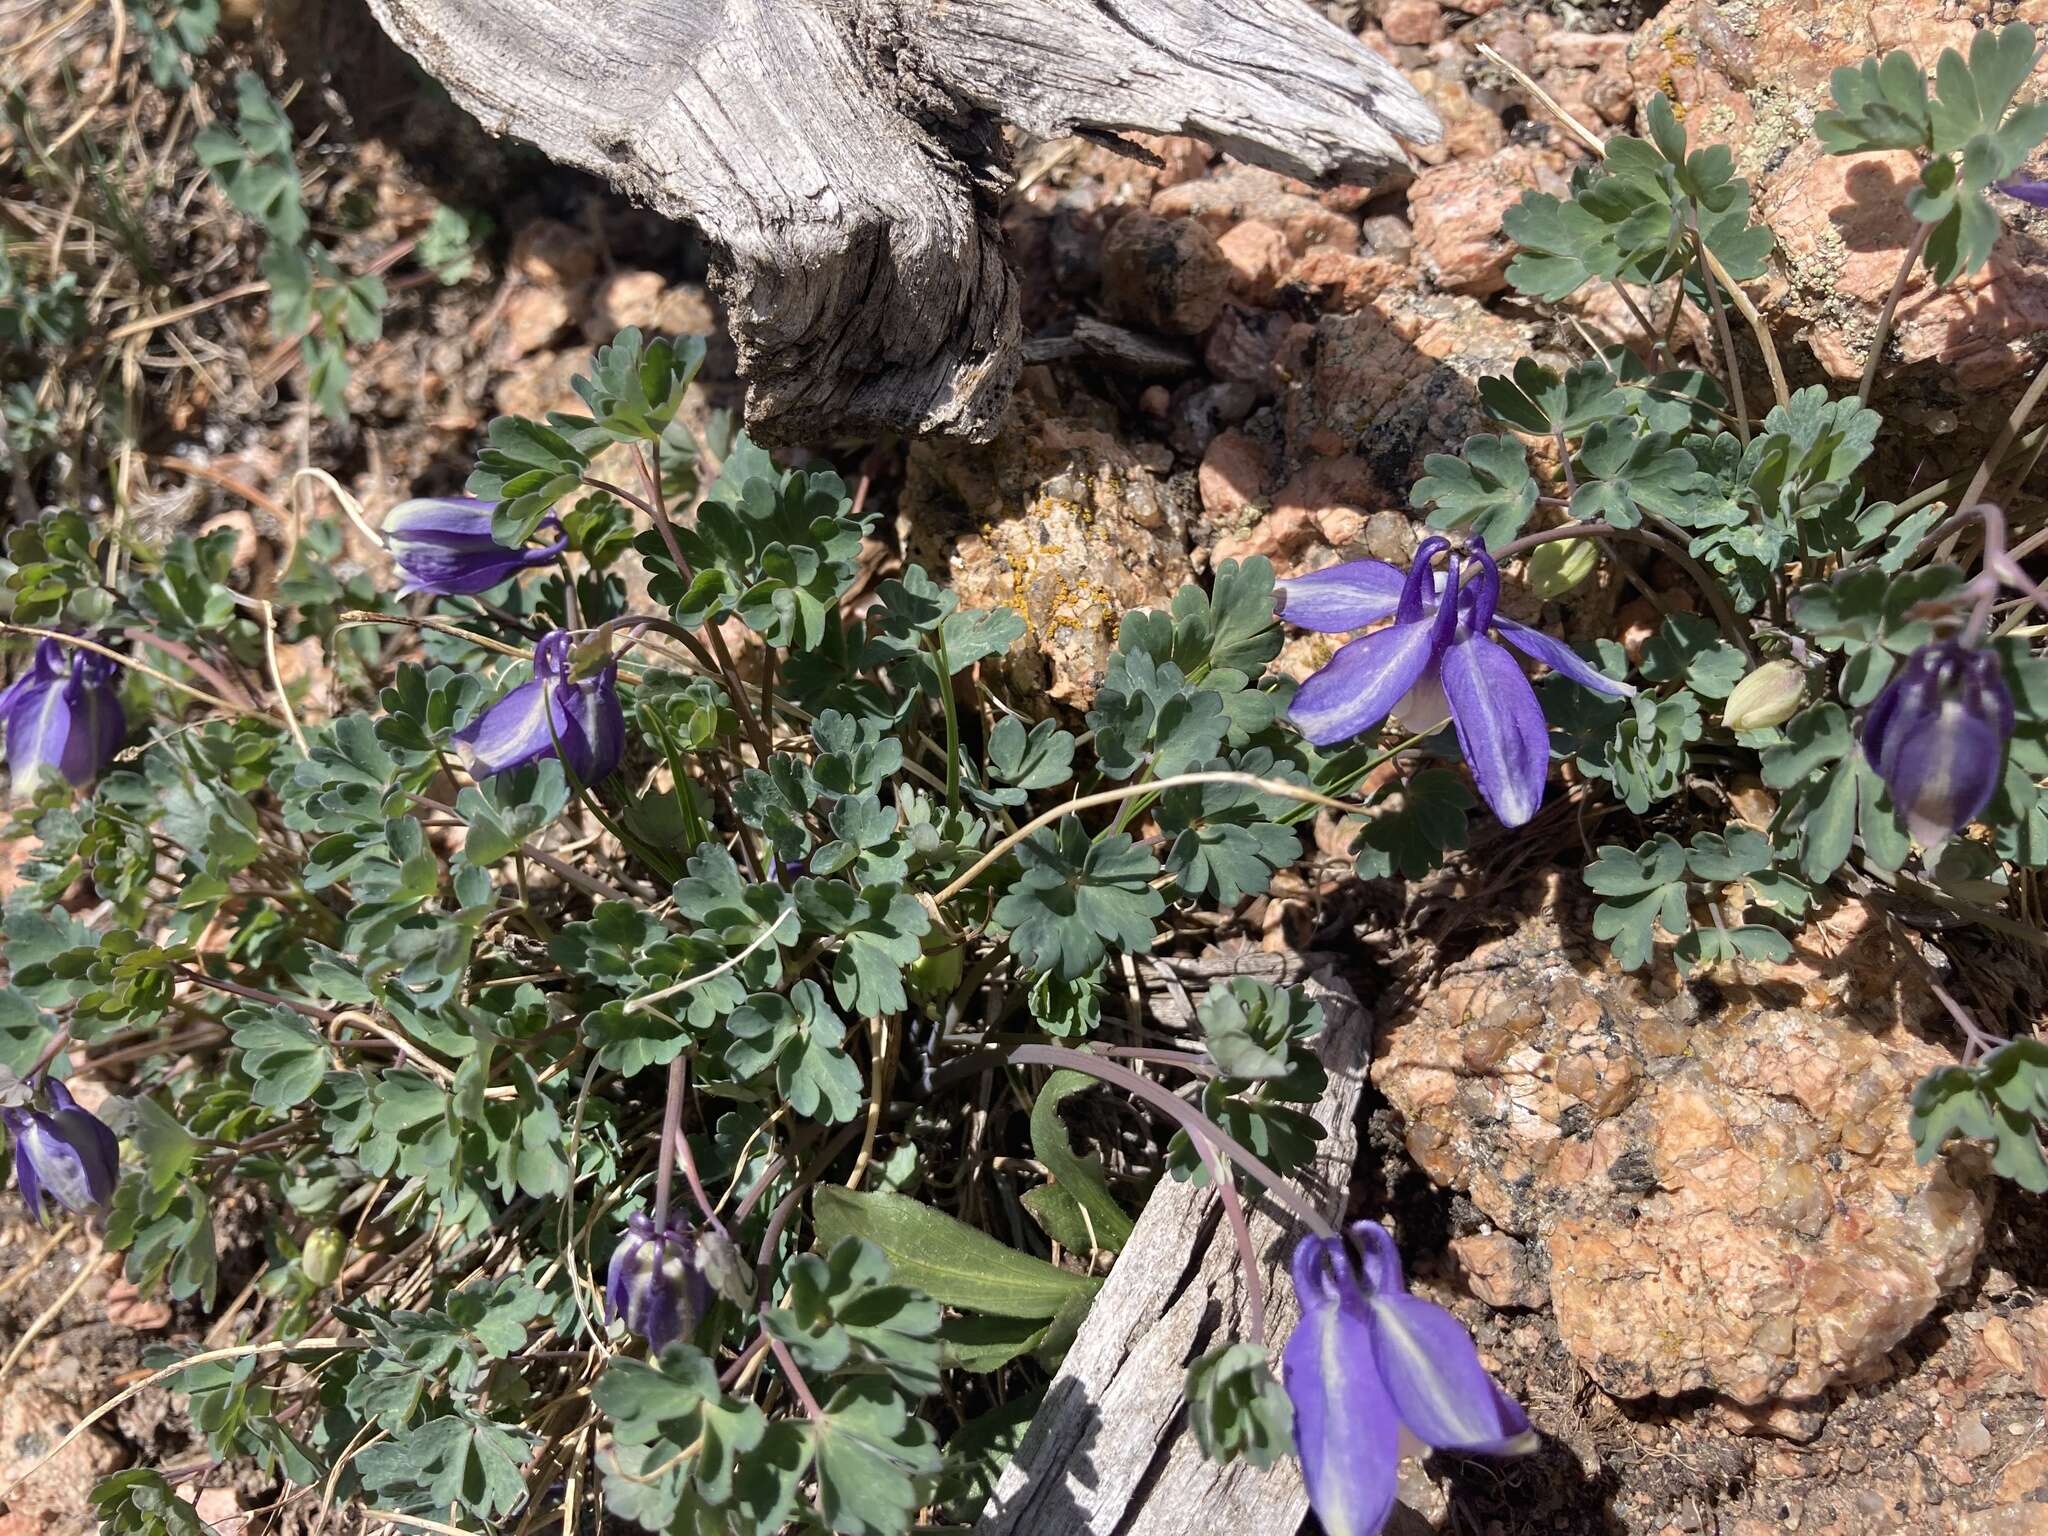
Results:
x,y
1110,1452
847,161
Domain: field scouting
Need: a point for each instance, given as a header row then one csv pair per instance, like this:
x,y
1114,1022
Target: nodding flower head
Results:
x,y
555,709
63,1155
62,717
1366,1361
444,544
655,1283
1438,660
1937,736
2025,189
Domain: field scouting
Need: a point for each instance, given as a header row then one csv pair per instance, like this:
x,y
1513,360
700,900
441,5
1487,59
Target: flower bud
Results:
x,y
1555,568
63,1155
1937,736
934,975
654,1283
444,544
320,1260
1768,696
62,717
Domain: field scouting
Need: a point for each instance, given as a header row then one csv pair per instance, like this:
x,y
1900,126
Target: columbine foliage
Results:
x,y
443,1015
610,1093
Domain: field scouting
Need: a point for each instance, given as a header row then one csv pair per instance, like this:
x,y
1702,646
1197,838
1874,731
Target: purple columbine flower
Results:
x,y
2027,191
1436,660
1937,736
62,716
443,544
1368,1360
655,1283
582,714
63,1155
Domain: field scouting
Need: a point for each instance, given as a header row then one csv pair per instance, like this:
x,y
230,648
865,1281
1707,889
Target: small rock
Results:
x,y
649,301
1496,1269
1256,347
1164,274
1413,23
1240,192
1585,50
1457,209
32,1422
221,1510
1204,412
2016,1502
1472,129
1343,281
1388,235
1797,1422
553,254
126,1307
1972,1438
1259,258
1235,473
1181,158
530,316
540,384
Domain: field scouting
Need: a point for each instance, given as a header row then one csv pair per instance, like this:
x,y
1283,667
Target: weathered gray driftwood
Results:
x,y
846,157
1110,1450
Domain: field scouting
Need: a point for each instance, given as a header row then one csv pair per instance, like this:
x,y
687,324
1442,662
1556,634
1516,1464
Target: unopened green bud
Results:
x,y
1555,568
934,975
320,1260
1768,696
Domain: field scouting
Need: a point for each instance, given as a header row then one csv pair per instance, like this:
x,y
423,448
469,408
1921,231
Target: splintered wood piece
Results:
x,y
846,158
1110,1449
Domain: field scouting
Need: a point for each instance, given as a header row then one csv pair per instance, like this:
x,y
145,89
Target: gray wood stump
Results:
x,y
1110,1451
846,158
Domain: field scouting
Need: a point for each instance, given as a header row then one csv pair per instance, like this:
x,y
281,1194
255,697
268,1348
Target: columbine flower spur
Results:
x,y
62,717
1436,660
1937,736
64,1155
444,544
655,1283
582,714
1368,1360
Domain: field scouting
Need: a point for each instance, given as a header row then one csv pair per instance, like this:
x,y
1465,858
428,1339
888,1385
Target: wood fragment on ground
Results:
x,y
847,159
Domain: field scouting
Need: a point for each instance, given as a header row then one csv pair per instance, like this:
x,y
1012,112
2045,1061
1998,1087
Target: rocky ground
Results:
x,y
1684,1220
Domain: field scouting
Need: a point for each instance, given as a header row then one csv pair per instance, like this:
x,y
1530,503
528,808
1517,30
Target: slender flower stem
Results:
x,y
1977,1041
1196,1124
1721,330
950,707
687,1160
255,994
1240,1234
1649,326
797,1384
1974,492
1731,624
671,1132
48,1054
1891,304
1941,488
740,1362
